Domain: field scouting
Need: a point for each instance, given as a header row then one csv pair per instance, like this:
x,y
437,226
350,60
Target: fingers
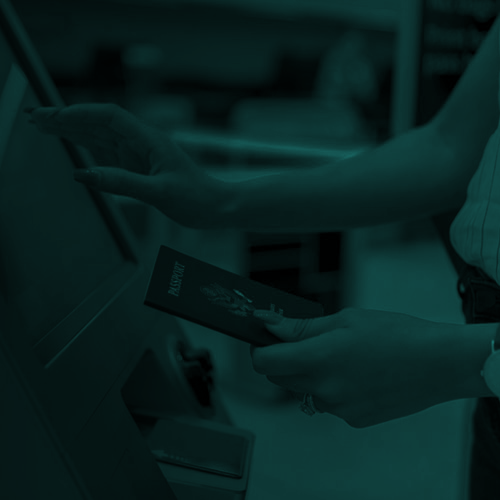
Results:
x,y
75,124
290,358
295,330
298,387
301,347
306,345
103,126
77,118
78,115
118,181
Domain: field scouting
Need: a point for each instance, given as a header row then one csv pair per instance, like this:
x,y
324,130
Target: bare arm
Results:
x,y
418,174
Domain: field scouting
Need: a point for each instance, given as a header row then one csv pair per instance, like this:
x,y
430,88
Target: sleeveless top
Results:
x,y
475,231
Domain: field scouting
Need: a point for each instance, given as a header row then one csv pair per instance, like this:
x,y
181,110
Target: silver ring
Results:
x,y
307,405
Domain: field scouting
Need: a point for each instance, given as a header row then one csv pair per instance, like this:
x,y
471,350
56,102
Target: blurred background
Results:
x,y
249,87
275,75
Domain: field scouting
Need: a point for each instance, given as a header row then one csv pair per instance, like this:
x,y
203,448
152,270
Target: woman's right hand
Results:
x,y
136,160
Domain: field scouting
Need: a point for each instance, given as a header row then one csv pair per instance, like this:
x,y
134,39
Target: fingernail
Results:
x,y
87,177
268,317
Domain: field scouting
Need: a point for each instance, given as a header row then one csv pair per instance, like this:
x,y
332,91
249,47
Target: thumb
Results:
x,y
288,329
117,181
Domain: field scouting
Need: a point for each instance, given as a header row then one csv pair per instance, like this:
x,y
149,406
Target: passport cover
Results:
x,y
218,299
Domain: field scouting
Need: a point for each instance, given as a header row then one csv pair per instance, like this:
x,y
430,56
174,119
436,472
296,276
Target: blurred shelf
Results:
x,y
256,240
278,258
320,282
361,13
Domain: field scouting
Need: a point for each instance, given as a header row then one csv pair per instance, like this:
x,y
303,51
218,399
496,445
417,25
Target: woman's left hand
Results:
x,y
364,366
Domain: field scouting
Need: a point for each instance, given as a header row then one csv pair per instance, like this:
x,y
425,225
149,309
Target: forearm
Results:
x,y
411,176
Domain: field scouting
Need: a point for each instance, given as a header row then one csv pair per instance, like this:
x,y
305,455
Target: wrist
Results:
x,y
216,212
226,205
470,352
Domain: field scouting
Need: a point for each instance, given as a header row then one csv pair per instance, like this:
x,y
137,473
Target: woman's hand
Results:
x,y
364,366
135,160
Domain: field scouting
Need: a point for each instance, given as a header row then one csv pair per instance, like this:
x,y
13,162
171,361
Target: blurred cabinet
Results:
x,y
307,265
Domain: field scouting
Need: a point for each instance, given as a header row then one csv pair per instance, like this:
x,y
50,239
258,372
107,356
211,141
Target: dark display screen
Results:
x,y
55,246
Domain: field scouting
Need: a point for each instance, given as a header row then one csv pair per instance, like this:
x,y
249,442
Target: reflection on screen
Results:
x,y
55,248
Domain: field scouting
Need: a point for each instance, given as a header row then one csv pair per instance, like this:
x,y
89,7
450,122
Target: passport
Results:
x,y
218,299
